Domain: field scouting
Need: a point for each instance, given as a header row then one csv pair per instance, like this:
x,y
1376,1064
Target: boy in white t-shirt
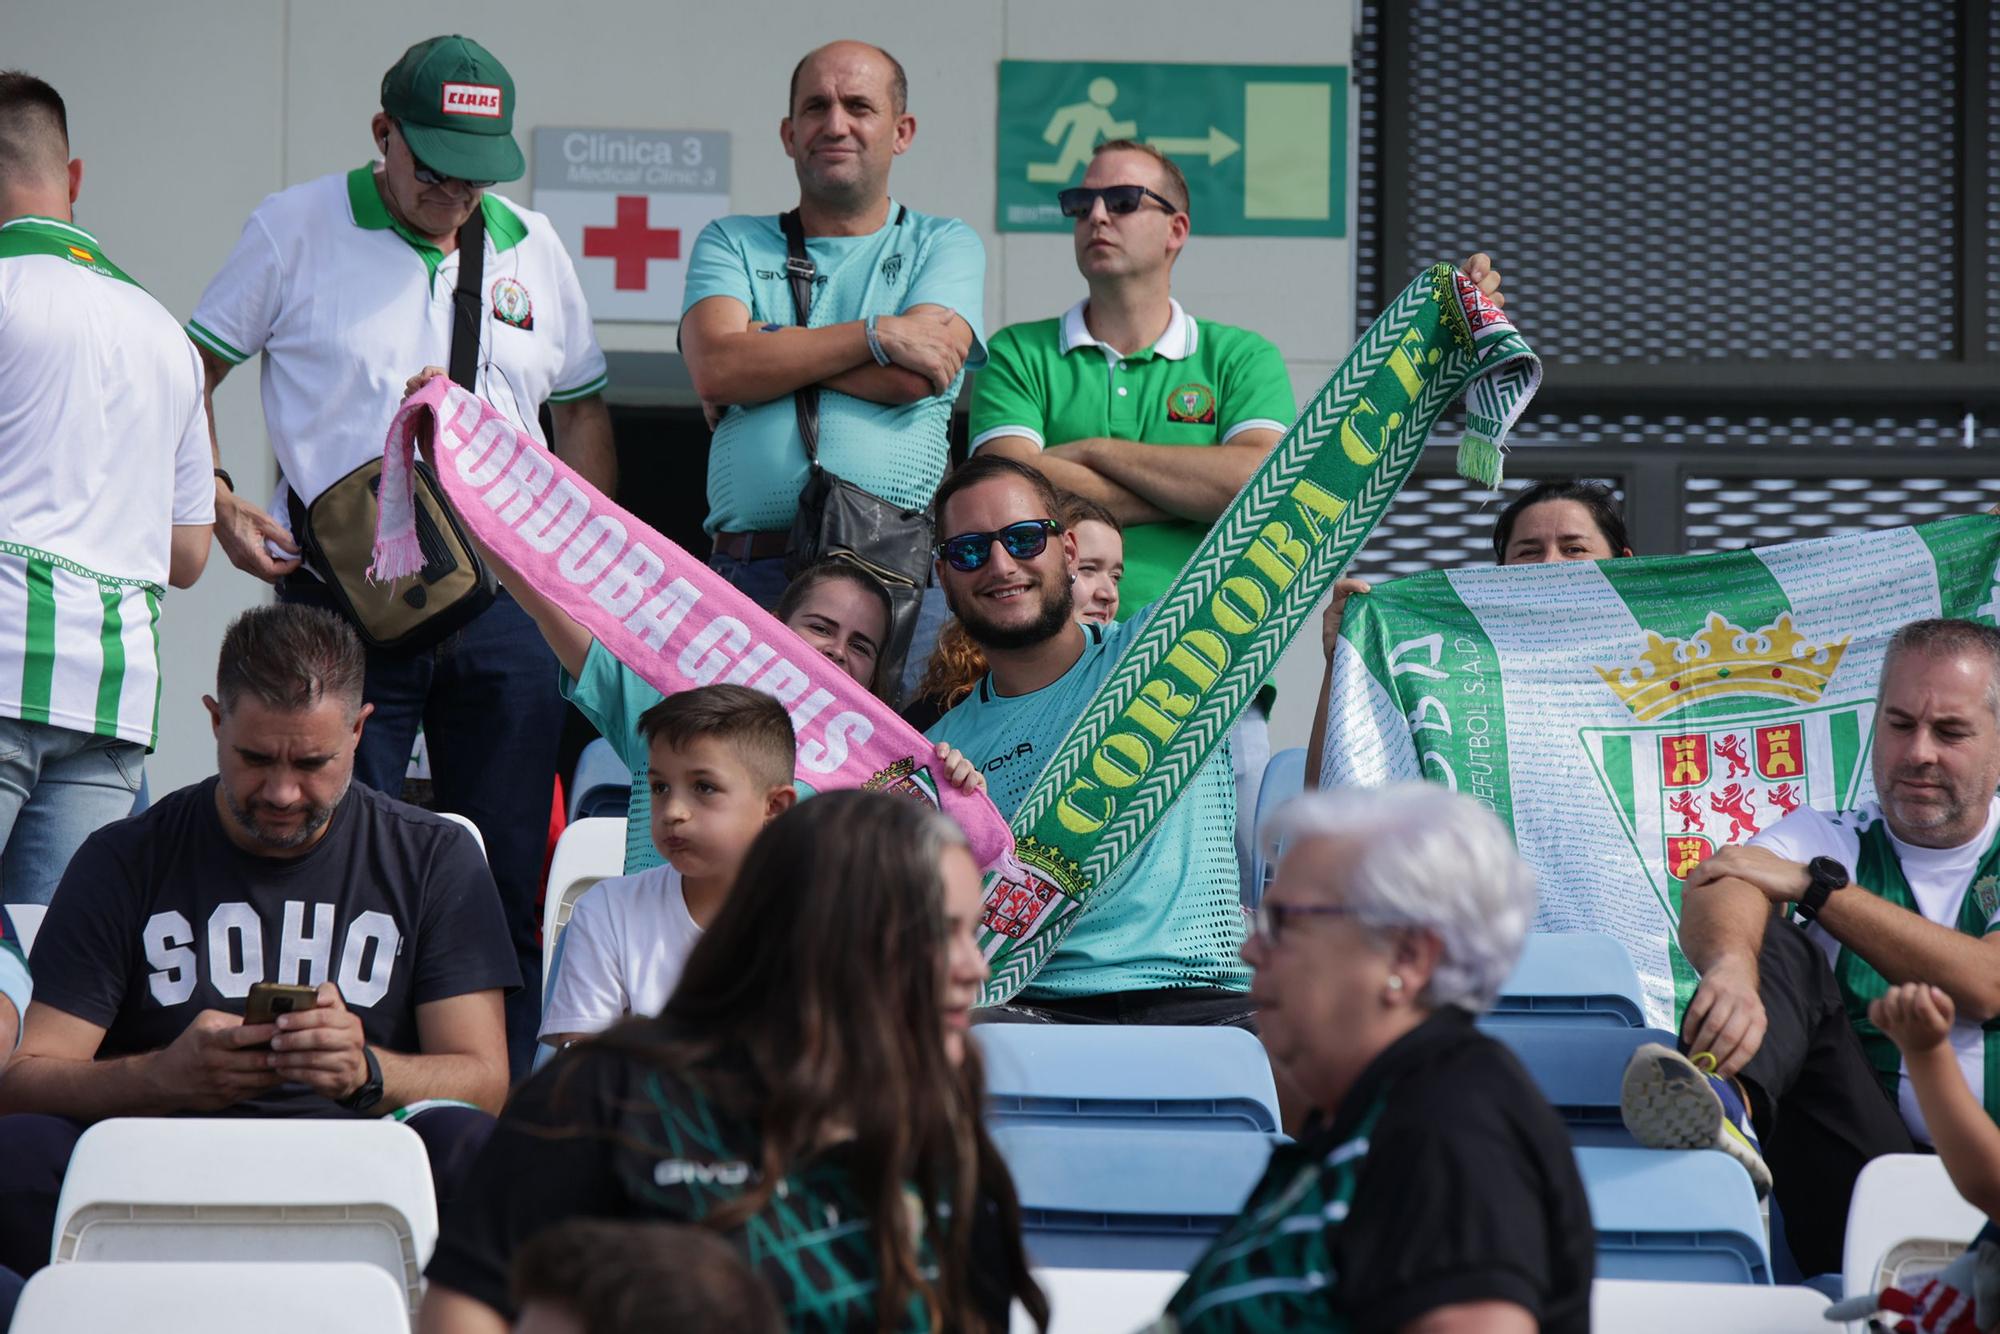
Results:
x,y
720,768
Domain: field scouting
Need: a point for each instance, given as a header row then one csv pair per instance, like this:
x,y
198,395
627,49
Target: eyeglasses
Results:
x,y
430,175
1270,918
1024,541
1119,200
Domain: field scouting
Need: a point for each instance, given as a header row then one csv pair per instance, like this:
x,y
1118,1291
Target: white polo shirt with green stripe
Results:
x,y
103,450
346,304
1200,383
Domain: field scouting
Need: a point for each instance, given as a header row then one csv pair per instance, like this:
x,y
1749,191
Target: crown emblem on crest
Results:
x,y
1066,872
1776,662
902,768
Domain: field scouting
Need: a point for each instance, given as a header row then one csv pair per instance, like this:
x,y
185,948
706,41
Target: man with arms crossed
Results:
x,y
1903,890
105,496
279,869
1130,401
895,322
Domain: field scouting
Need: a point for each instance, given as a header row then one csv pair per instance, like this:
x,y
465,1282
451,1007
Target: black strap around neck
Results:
x,y
465,311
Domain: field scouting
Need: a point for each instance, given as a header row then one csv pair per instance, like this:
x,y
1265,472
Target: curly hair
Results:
x,y
954,669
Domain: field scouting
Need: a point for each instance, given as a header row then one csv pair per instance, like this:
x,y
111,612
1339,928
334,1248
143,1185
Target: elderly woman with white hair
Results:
x,y
1434,1189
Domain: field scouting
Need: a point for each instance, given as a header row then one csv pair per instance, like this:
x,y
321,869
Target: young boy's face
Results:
x,y
707,808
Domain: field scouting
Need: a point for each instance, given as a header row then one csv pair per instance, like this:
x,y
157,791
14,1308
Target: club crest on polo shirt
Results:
x,y
471,99
892,269
1192,403
1986,891
511,304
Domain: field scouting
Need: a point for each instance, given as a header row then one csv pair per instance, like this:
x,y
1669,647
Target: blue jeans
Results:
x,y
764,580
487,701
56,787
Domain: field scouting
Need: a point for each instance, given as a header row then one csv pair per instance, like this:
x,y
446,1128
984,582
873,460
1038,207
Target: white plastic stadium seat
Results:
x,y
245,1297
590,850
1904,1218
1633,1306
1101,1301
471,828
173,1189
27,918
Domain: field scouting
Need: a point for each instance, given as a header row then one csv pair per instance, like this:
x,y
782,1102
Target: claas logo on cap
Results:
x,y
471,99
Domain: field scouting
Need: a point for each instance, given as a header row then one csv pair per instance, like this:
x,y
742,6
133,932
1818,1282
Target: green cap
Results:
x,y
455,104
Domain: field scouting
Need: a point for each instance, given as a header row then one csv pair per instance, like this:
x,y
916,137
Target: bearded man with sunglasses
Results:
x,y
346,285
1158,943
1129,401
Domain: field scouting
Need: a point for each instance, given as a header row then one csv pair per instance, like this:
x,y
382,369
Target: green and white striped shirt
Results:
x,y
103,450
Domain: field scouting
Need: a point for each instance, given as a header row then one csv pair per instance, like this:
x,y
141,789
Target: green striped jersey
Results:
x,y
103,450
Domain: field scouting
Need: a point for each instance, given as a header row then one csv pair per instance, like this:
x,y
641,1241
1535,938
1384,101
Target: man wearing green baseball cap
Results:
x,y
454,104
346,285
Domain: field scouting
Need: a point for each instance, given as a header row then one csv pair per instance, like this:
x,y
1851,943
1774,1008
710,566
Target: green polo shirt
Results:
x,y
1051,382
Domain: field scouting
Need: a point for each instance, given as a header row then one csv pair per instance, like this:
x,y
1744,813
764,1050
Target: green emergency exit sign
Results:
x,y
1264,146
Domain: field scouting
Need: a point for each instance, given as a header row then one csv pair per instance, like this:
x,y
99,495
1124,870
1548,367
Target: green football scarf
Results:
x,y
1254,581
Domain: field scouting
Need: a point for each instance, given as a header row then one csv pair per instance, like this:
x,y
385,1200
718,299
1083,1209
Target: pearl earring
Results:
x,y
1395,984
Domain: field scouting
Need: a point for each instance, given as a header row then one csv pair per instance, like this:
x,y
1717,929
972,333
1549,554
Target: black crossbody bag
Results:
x,y
336,533
836,518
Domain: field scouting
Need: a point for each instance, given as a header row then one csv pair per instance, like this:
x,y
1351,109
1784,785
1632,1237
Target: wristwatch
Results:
x,y
1824,876
364,1098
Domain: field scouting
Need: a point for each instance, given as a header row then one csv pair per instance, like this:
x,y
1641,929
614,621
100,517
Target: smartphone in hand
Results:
x,y
268,1000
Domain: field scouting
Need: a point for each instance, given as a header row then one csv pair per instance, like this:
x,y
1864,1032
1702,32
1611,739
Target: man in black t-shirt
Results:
x,y
276,870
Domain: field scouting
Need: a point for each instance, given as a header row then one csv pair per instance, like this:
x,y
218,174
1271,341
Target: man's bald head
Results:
x,y
899,83
34,133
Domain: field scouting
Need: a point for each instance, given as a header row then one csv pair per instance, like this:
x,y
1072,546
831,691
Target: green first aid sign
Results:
x,y
1263,146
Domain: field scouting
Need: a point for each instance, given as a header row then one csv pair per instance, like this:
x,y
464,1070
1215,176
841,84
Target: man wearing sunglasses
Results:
x,y
1130,401
1158,943
346,285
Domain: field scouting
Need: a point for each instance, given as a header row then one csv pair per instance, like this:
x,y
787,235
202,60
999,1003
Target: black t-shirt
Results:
x,y
600,1134
160,917
1446,1178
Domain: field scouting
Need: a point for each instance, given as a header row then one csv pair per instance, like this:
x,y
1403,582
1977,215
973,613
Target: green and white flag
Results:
x,y
1627,718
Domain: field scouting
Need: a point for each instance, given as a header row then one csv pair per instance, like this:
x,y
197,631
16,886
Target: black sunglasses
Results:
x,y
1077,201
1024,541
429,175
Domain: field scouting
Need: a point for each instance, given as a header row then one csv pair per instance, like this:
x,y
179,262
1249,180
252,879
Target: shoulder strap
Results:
x,y
800,271
464,365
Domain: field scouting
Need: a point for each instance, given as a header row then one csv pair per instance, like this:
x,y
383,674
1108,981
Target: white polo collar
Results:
x,y
1176,344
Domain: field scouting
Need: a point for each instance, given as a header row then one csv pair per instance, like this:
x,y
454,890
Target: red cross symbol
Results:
x,y
631,243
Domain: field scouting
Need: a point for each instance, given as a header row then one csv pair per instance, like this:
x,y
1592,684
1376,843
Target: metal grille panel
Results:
x,y
1541,429
1728,513
1441,522
1681,181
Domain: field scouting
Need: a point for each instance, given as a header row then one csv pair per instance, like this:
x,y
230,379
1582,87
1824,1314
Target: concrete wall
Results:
x,y
186,114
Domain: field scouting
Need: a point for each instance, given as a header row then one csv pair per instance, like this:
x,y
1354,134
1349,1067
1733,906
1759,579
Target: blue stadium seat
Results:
x,y
1679,1215
1127,1199
1579,1069
1284,778
602,785
1571,977
1119,1077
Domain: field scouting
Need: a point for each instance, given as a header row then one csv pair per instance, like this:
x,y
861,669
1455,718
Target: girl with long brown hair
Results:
x,y
810,1092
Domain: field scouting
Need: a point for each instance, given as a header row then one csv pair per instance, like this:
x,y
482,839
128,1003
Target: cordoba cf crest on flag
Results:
x,y
1734,748
1631,718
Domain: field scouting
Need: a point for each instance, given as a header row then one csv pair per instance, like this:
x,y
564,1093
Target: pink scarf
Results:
x,y
655,608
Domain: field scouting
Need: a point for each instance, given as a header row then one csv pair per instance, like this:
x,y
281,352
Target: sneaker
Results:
x,y
1669,1103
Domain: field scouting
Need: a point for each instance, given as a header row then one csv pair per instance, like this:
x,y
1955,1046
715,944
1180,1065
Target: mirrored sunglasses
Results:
x,y
1024,541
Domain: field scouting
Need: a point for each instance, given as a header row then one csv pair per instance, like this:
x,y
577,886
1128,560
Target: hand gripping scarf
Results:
x,y
1209,645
